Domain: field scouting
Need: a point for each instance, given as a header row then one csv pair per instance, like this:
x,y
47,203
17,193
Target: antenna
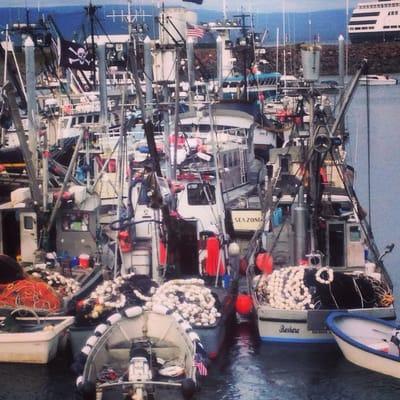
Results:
x,y
224,9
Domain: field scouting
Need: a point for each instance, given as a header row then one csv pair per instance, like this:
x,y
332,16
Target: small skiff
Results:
x,y
31,339
141,355
367,342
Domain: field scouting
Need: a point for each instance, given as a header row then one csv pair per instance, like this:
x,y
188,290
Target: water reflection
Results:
x,y
255,370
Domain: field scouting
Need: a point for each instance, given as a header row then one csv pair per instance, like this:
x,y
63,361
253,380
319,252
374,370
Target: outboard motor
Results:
x,y
139,371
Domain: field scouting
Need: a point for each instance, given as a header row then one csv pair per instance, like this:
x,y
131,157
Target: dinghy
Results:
x,y
368,342
143,354
31,339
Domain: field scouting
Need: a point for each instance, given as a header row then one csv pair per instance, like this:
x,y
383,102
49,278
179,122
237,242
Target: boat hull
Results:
x,y
38,347
365,352
302,326
367,360
212,338
375,37
379,82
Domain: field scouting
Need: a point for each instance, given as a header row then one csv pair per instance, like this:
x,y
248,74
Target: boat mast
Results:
x,y
91,11
244,45
284,42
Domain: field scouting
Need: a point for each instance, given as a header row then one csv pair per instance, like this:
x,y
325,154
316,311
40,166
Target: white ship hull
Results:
x,y
377,21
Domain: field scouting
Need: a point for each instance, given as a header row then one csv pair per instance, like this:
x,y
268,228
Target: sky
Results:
x,y
232,5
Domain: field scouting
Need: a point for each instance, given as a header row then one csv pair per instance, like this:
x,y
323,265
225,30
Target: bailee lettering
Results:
x,y
288,329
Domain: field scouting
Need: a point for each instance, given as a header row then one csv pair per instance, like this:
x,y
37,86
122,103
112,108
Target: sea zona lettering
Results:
x,y
247,219
288,329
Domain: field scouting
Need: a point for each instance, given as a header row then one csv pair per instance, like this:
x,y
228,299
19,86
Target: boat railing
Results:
x,y
149,383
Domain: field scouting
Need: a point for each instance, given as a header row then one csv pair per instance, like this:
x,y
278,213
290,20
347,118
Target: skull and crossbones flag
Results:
x,y
75,55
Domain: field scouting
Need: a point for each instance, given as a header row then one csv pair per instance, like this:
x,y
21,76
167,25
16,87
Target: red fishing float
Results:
x,y
265,263
244,304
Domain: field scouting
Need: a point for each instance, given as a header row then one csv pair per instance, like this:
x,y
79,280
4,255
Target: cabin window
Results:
x,y
236,158
75,222
355,234
28,223
200,194
73,122
96,118
81,119
284,163
225,160
89,119
230,160
204,128
336,245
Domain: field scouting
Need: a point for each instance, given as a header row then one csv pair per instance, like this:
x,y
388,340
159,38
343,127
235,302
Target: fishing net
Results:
x,y
32,294
123,292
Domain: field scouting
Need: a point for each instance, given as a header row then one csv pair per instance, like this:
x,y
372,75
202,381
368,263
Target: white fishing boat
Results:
x,y
377,80
314,252
33,339
143,354
367,342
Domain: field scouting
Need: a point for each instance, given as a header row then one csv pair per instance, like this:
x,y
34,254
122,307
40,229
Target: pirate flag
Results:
x,y
76,56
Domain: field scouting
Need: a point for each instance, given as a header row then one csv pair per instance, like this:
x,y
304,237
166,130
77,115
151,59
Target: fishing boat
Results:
x,y
143,354
314,251
377,80
368,342
31,339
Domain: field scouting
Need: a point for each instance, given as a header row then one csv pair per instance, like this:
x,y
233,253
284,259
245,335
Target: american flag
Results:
x,y
194,31
201,367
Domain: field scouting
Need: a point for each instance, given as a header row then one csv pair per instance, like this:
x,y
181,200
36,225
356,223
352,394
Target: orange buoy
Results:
x,y
265,263
163,254
244,304
213,256
125,242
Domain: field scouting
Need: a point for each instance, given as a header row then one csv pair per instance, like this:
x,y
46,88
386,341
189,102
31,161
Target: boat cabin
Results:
x,y
74,233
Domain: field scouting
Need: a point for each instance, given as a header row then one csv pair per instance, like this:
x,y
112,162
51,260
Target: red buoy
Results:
x,y
265,263
244,304
213,256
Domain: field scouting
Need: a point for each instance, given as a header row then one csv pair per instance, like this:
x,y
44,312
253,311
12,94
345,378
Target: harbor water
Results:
x,y
249,369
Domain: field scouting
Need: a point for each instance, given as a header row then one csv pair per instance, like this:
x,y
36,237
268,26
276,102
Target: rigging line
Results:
x,y
369,156
293,200
258,232
353,199
102,28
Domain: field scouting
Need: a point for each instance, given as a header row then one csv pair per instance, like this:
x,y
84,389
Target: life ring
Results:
x,y
329,273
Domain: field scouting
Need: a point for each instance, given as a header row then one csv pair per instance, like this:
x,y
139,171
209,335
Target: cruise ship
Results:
x,y
376,21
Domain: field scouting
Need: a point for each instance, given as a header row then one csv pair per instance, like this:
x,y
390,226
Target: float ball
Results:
x,y
265,263
244,304
233,249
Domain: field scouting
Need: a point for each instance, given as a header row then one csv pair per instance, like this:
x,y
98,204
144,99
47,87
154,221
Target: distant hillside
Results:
x,y
326,24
